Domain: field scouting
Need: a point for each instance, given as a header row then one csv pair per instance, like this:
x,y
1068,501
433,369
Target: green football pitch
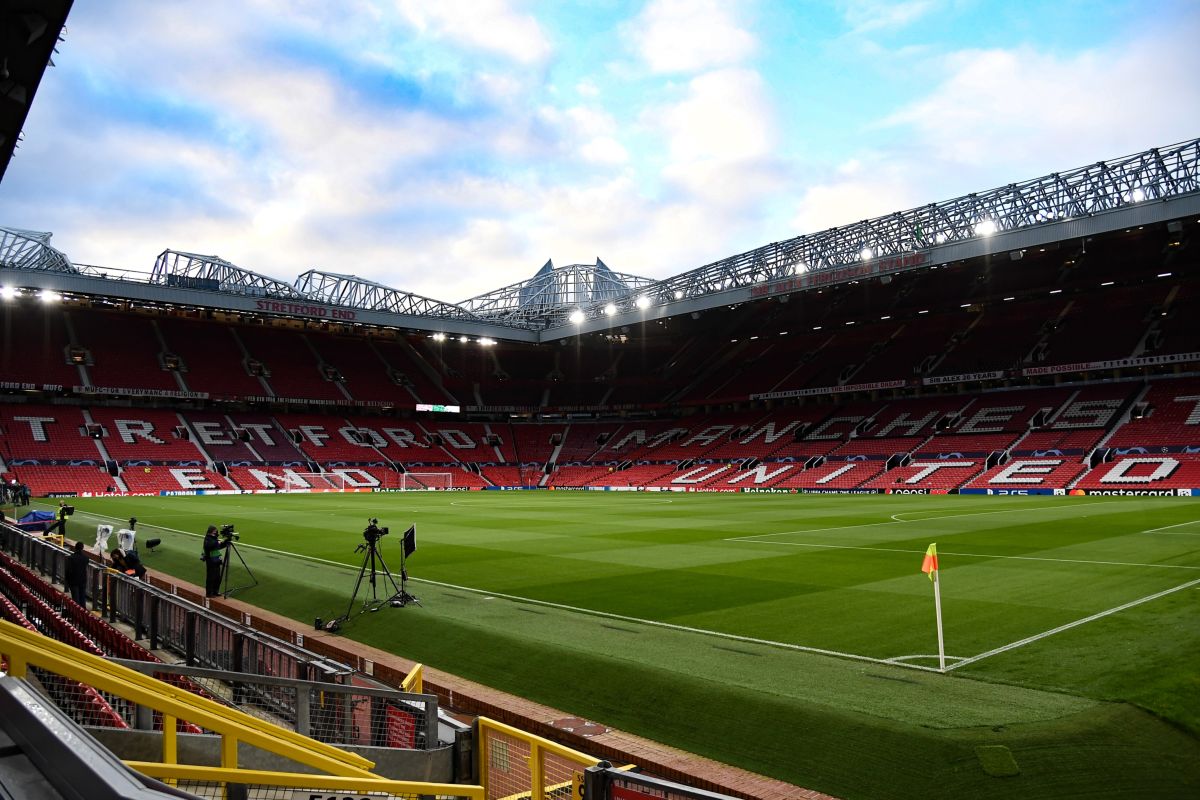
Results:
x,y
792,635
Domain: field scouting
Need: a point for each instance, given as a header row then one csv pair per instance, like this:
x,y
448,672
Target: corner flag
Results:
x,y
930,565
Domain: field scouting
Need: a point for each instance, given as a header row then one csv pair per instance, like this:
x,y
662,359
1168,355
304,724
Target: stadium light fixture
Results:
x,y
486,342
866,254
48,296
1056,291
439,337
610,309
678,294
1108,283
1164,274
463,339
8,292
577,316
985,228
642,303
1137,195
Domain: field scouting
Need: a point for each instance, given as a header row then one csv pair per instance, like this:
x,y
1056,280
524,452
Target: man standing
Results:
x,y
213,557
77,574
60,524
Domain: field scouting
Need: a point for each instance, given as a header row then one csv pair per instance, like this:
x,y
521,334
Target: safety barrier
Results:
x,y
515,765
339,770
335,713
167,621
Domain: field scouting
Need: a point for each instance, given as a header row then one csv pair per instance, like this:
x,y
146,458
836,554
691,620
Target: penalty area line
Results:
x,y
1099,615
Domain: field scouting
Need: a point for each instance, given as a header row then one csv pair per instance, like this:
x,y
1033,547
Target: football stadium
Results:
x,y
903,508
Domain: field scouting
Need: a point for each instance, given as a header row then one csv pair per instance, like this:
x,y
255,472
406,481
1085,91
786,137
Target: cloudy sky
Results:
x,y
449,148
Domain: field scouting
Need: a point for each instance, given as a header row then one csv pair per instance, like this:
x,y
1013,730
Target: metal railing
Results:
x,y
516,764
334,713
200,636
340,771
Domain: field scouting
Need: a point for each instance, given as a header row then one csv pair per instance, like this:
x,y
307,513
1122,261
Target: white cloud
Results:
x,y
488,25
690,35
1001,116
864,16
1024,108
721,139
725,116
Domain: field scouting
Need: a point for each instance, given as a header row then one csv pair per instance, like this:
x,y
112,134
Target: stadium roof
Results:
x,y
29,30
1155,186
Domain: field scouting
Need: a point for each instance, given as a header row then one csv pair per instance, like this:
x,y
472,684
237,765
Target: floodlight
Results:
x,y
678,294
486,342
48,296
8,292
577,317
985,228
866,254
439,337
463,339
1137,196
610,309
642,303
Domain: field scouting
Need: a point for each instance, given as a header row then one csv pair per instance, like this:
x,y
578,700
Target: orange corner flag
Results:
x,y
929,566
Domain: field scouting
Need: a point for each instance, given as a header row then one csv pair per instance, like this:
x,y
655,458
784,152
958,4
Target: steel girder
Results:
x,y
1156,174
173,268
551,295
20,249
355,292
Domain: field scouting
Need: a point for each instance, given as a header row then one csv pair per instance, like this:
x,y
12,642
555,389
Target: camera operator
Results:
x,y
129,563
213,556
60,520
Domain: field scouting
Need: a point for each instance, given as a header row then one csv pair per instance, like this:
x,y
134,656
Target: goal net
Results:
x,y
426,480
313,482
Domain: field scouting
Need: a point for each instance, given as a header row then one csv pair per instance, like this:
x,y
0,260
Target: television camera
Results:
x,y
228,533
371,534
375,572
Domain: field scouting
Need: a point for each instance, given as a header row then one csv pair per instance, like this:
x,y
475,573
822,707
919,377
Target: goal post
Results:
x,y
431,481
313,482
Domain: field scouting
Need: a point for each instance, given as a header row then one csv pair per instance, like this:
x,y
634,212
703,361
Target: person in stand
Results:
x,y
77,574
23,489
213,556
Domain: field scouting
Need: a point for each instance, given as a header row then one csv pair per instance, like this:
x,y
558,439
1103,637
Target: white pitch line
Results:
x,y
1075,624
671,626
1178,533
970,555
910,521
575,609
901,659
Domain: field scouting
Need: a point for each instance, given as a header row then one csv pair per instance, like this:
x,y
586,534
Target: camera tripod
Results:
x,y
226,590
373,561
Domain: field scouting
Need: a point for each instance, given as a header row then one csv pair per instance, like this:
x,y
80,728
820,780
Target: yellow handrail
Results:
x,y
538,748
415,680
25,648
187,772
